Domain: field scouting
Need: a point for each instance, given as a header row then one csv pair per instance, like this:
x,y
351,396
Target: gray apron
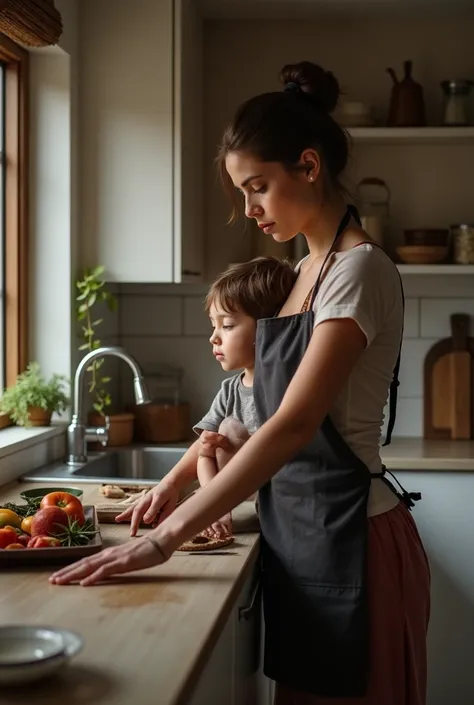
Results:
x,y
313,517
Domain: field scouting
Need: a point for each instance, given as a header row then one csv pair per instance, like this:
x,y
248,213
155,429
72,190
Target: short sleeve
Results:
x,y
361,284
217,413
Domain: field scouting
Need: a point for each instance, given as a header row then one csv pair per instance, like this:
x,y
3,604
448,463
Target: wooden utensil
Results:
x,y
449,385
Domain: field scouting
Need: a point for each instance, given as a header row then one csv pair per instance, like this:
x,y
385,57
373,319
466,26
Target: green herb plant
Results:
x,y
91,293
32,389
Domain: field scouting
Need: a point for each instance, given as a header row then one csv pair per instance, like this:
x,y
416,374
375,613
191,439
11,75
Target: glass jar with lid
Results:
x,y
463,243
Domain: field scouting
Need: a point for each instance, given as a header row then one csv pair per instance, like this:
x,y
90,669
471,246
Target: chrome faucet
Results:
x,y
78,434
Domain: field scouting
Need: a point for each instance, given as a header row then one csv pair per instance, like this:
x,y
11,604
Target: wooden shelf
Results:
x,y
412,135
466,269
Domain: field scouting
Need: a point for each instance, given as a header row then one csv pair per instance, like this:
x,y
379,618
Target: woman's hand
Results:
x,y
152,508
133,555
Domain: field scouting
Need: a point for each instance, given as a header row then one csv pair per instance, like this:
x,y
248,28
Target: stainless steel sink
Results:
x,y
140,465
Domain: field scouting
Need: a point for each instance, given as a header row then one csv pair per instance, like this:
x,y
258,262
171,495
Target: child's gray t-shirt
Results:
x,y
232,400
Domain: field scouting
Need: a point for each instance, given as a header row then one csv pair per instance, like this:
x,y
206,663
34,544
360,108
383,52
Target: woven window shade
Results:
x,y
32,23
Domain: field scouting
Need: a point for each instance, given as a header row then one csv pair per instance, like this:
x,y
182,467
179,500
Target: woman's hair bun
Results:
x,y
320,84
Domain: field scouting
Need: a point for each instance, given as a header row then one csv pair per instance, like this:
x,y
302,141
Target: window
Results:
x,y
13,211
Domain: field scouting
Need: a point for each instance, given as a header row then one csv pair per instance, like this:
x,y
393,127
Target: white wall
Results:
x,y
50,211
69,39
53,197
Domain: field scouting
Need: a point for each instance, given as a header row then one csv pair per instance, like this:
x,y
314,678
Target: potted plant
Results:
x,y
33,399
91,293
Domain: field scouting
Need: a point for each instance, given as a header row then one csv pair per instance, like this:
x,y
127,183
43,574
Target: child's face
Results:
x,y
233,338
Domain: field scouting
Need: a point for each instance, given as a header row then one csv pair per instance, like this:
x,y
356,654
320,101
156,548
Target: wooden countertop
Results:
x,y
420,454
147,635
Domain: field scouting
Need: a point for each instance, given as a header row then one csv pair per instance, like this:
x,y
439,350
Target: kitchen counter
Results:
x,y
416,454
147,635
413,454
420,454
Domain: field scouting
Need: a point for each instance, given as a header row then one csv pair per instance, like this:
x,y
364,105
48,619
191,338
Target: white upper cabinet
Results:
x,y
126,138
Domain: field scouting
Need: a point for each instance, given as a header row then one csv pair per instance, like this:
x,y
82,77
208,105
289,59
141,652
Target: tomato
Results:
x,y
23,539
70,504
43,542
26,524
14,546
8,535
10,518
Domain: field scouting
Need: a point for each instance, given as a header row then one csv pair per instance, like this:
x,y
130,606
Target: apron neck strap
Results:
x,y
351,212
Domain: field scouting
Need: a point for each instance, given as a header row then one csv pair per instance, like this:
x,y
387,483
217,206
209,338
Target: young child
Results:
x,y
236,300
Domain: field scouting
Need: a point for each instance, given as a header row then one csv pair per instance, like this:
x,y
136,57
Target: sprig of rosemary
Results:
x,y
24,510
76,534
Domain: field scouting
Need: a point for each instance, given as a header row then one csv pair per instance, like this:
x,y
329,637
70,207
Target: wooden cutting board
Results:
x,y
449,385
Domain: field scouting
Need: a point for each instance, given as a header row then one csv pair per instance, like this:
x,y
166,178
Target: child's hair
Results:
x,y
258,288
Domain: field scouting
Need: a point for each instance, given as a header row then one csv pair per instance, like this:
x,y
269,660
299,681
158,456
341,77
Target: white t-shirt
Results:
x,y
363,284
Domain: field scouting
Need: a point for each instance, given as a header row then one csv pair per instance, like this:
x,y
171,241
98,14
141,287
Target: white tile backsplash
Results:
x,y
435,315
411,370
412,318
196,320
409,420
202,374
151,315
167,324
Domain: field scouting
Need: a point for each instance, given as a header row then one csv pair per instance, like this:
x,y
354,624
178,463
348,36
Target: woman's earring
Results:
x,y
311,177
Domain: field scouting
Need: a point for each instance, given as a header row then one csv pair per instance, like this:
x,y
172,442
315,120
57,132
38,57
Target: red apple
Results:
x,y
49,521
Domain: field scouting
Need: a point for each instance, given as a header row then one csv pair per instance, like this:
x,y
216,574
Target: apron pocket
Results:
x,y
316,637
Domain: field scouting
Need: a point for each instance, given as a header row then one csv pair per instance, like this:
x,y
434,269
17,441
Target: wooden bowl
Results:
x,y
422,254
436,237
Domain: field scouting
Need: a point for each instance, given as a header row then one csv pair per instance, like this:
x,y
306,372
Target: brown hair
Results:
x,y
279,126
258,288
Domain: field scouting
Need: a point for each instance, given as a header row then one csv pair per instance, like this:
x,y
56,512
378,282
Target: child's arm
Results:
x,y
206,469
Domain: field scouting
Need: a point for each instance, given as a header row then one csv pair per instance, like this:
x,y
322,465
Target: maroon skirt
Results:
x,y
399,595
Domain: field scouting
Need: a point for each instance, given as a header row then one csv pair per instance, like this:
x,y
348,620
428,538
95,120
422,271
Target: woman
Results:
x,y
346,580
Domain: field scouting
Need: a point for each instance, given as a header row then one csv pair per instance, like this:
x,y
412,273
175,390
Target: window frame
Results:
x,y
16,213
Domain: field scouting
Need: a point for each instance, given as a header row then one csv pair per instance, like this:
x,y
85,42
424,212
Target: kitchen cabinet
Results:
x,y
231,675
127,116
141,139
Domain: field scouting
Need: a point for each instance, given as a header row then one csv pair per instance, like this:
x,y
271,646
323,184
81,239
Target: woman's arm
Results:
x,y
335,347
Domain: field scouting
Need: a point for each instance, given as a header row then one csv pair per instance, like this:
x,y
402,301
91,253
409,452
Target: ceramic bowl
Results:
x,y
422,254
42,491
430,237
29,653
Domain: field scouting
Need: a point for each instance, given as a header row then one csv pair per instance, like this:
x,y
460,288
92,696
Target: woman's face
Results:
x,y
283,203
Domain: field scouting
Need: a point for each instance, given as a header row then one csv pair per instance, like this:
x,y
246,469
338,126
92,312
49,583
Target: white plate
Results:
x,y
28,653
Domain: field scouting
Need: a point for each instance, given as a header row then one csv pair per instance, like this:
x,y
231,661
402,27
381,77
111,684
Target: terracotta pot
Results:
x,y
5,421
39,417
121,427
